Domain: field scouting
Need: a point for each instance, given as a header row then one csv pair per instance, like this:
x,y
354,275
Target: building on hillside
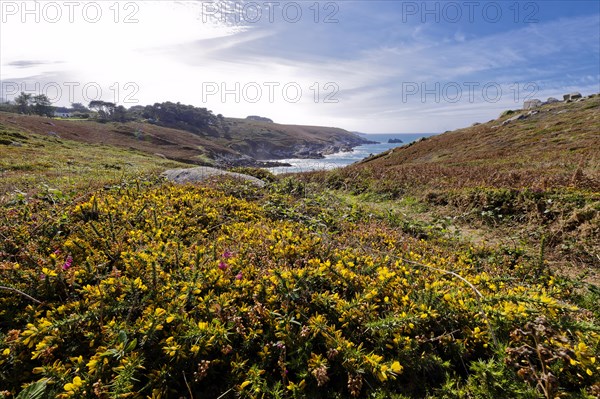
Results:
x,y
62,114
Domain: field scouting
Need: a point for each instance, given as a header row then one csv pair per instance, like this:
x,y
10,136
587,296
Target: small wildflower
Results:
x,y
396,367
68,263
332,353
222,265
227,254
48,272
73,386
305,331
239,276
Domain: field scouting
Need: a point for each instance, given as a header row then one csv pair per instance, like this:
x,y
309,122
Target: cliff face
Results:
x,y
265,150
266,140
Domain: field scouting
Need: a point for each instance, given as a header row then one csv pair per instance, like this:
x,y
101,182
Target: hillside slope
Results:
x,y
243,143
550,148
56,169
528,185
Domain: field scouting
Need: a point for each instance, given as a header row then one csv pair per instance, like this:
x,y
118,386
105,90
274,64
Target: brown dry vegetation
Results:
x,y
172,143
242,138
532,184
558,147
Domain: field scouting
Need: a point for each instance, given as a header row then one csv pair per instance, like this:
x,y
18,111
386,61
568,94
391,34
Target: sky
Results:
x,y
367,66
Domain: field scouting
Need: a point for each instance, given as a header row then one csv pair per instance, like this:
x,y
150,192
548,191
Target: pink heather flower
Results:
x,y
68,263
227,254
239,276
222,265
57,252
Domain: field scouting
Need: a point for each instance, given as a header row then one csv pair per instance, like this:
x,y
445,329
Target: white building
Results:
x,y
58,114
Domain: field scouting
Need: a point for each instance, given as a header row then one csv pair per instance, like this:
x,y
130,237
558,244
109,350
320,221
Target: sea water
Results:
x,y
342,159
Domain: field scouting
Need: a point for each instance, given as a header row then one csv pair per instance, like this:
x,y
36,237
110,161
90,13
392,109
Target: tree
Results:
x,y
23,103
7,106
105,109
79,107
181,116
120,114
136,112
42,105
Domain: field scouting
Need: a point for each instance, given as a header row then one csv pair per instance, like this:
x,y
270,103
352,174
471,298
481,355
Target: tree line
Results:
x,y
26,103
167,114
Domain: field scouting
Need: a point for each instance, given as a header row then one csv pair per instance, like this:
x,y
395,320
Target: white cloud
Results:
x,y
171,54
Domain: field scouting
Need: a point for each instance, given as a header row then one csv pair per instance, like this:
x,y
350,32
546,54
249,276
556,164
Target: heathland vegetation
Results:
x,y
178,132
461,266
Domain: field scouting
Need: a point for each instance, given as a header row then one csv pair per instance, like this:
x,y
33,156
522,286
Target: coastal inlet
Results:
x,y
385,142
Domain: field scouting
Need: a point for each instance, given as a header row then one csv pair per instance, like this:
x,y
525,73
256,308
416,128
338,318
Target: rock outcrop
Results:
x,y
514,118
193,175
531,104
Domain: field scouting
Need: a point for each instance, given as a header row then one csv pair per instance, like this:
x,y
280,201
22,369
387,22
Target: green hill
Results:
x,y
238,142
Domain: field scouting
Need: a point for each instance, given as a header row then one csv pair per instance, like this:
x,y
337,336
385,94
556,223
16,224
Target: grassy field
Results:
x,y
114,283
35,165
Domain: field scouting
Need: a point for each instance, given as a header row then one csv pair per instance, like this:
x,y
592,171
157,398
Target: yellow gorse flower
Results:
x,y
75,385
321,298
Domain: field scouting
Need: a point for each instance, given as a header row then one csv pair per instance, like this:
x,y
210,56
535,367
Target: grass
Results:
x,y
42,165
534,178
117,284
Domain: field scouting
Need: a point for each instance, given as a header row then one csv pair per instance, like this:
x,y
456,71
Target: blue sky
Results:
x,y
369,66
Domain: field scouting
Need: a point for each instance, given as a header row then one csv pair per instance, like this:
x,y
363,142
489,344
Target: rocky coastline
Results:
x,y
264,155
